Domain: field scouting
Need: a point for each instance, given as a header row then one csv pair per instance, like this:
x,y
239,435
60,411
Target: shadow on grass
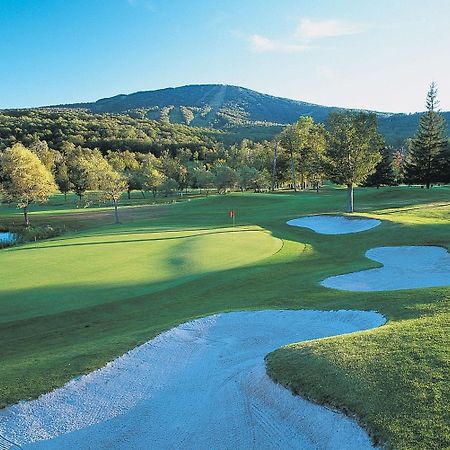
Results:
x,y
128,241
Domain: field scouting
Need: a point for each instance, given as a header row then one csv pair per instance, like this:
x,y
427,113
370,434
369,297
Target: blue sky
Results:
x,y
354,53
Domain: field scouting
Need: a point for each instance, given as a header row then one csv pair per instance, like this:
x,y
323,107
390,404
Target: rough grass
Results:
x,y
59,323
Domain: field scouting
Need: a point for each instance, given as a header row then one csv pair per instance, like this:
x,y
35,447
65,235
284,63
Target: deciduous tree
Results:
x,y
225,178
25,178
353,149
112,184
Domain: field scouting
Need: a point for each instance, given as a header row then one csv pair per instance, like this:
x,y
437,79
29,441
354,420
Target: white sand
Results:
x,y
408,267
201,385
334,224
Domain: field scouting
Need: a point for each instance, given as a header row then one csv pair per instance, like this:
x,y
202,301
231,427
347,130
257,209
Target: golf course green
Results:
x,y
70,304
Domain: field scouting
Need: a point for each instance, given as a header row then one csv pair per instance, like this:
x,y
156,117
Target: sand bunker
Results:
x,y
408,267
334,224
201,385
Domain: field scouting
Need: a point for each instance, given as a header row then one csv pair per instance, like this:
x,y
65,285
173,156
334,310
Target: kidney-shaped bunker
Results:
x,y
326,224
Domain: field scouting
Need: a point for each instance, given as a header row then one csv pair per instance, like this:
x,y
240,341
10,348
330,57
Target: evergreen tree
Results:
x,y
384,173
428,147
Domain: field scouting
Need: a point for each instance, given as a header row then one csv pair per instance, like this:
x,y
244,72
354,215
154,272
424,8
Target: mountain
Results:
x,y
209,105
240,111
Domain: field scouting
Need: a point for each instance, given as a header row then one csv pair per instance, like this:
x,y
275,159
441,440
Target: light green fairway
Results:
x,y
79,272
70,305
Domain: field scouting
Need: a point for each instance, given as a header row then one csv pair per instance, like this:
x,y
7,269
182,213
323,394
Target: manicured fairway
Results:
x,y
81,272
394,379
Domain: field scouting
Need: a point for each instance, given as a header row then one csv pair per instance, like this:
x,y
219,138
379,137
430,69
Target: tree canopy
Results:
x,y
25,179
428,160
353,149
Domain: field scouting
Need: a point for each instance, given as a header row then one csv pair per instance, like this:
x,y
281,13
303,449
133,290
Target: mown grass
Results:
x,y
98,300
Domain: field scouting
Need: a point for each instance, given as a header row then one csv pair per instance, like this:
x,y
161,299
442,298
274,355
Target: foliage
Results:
x,y
225,178
103,131
353,149
239,112
25,179
202,178
305,142
384,174
62,177
83,170
152,178
111,183
168,186
427,156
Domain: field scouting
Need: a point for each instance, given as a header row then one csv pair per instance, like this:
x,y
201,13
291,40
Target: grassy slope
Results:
x,y
118,265
393,378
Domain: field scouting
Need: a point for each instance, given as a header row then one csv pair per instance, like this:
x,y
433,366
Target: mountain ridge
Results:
x,y
229,107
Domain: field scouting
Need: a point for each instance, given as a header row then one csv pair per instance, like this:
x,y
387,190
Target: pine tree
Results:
x,y
428,146
384,173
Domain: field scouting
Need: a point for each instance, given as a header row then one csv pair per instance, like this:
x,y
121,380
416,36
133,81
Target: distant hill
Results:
x,y
238,110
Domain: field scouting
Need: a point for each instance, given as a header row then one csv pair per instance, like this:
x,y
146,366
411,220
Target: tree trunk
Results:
x,y
294,181
116,212
25,216
274,167
143,194
350,205
79,201
129,194
65,197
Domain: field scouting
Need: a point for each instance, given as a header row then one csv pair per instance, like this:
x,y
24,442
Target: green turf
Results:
x,y
70,312
117,266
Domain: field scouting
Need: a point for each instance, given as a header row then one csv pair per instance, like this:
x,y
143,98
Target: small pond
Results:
x,y
7,238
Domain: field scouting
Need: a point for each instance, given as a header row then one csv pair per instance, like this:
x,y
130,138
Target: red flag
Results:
x,y
231,213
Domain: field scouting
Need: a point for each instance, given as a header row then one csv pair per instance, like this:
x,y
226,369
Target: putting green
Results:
x,y
96,269
394,379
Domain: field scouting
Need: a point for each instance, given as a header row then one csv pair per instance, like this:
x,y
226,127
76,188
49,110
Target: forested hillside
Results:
x,y
105,131
213,105
241,112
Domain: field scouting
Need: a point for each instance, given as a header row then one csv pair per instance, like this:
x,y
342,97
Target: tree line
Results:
x,y
59,152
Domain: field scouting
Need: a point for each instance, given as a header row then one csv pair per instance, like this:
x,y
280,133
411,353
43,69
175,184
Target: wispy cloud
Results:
x,y
263,44
309,30
301,37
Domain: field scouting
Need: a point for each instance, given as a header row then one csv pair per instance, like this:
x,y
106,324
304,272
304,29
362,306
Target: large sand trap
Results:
x,y
334,224
408,267
201,385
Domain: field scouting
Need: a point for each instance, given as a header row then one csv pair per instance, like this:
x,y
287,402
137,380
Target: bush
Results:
x,y
30,234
